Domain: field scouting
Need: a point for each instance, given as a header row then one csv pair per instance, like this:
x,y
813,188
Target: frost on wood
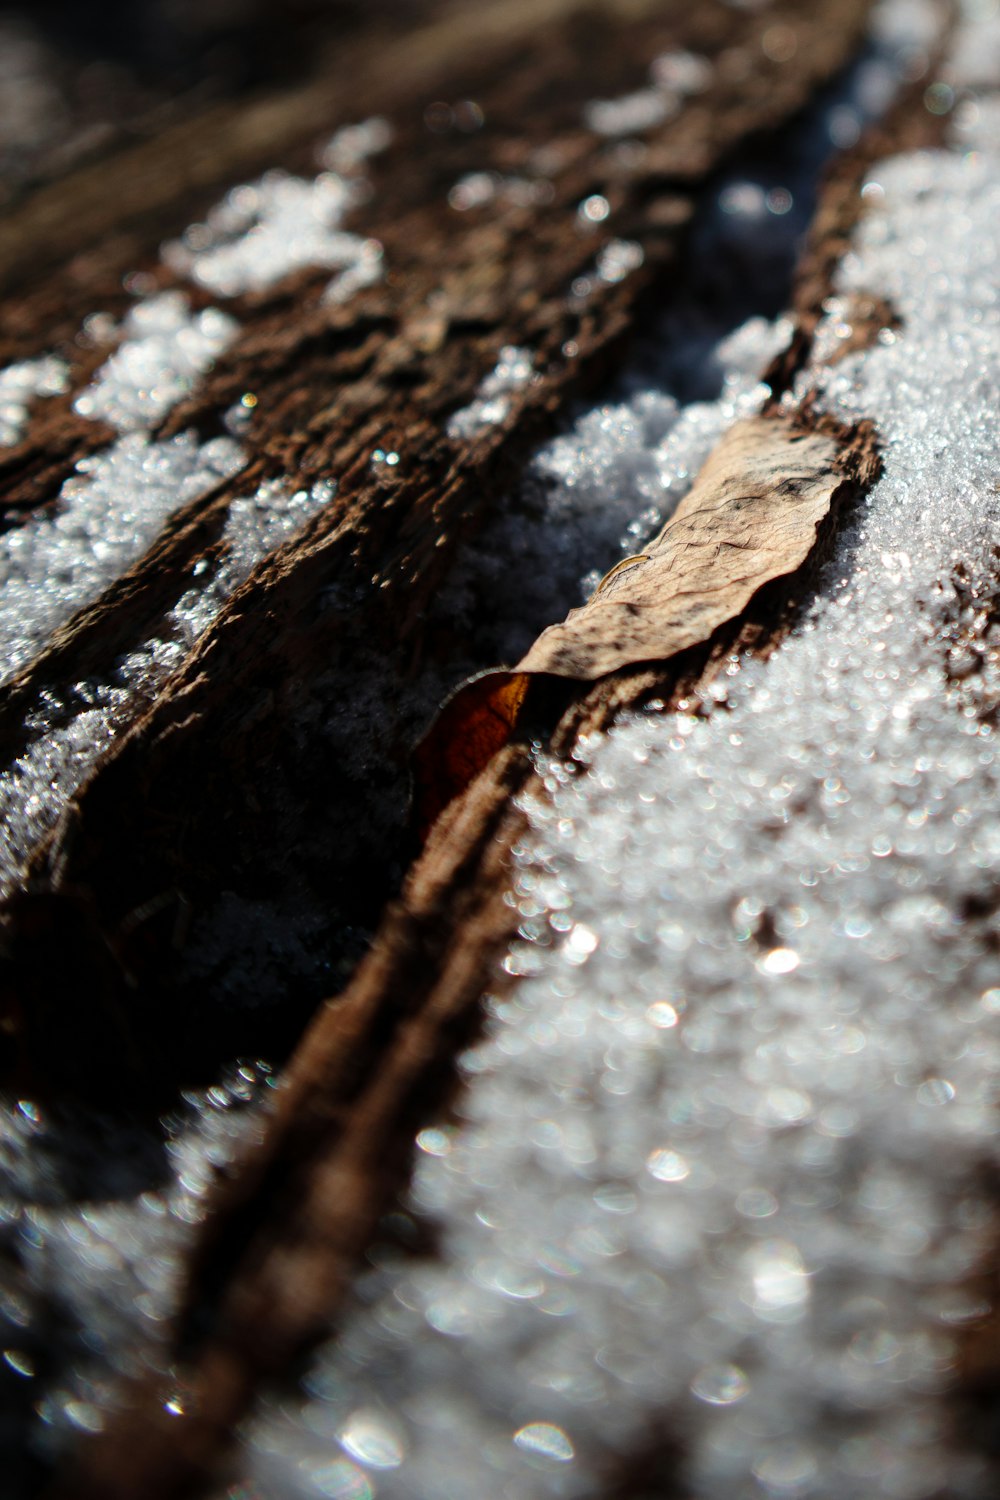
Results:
x,y
106,516
21,384
369,1442
342,429
674,75
493,395
720,1163
264,230
751,516
401,380
100,1253
69,732
165,349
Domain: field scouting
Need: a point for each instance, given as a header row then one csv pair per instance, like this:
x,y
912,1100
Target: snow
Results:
x,y
106,517
615,260
366,269
94,1216
631,113
20,384
476,189
263,231
165,349
101,1245
718,1167
622,468
674,76
70,731
350,147
492,402
718,1155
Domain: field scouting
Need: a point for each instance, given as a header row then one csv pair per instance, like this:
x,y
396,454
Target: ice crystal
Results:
x,y
101,1245
264,230
165,349
673,76
631,113
349,148
70,732
21,384
492,400
718,1164
367,269
105,518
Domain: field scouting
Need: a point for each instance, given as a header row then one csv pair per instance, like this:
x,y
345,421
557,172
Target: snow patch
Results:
x,y
673,77
21,384
349,148
492,402
71,731
104,1259
265,230
165,349
106,517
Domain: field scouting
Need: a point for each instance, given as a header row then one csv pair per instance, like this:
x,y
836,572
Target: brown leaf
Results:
x,y
474,723
751,516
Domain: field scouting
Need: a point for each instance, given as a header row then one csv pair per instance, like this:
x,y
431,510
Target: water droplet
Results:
x,y
785,1469
779,961
372,1439
780,1281
545,1440
594,210
84,1415
720,1385
434,1142
580,943
935,1092
667,1166
339,1480
756,1203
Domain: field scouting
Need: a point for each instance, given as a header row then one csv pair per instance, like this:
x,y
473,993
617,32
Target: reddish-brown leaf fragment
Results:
x,y
474,723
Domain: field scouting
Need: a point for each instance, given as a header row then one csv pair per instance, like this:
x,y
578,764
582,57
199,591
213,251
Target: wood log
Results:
x,y
97,915
253,775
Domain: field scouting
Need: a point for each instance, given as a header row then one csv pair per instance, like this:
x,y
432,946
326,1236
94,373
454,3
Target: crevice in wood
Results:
x,y
378,1060
276,681
278,1251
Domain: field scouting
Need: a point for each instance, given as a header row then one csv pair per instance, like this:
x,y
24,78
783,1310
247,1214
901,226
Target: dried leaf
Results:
x,y
751,516
471,727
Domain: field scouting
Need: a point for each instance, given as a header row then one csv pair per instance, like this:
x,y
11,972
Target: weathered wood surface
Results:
x,y
195,769
280,1249
307,1200
228,786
